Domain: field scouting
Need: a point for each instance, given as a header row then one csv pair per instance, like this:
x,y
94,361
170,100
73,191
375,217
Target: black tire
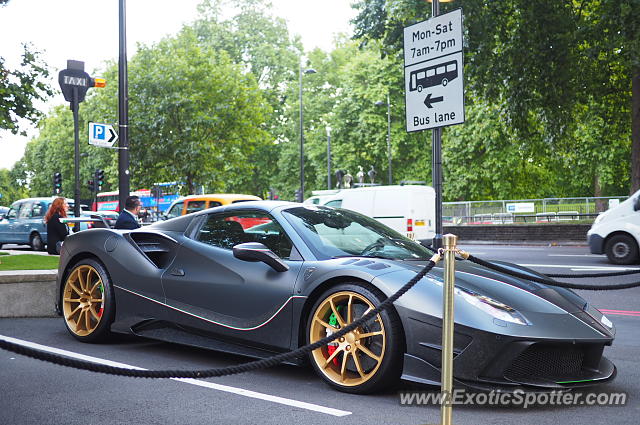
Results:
x,y
36,242
88,310
621,249
342,372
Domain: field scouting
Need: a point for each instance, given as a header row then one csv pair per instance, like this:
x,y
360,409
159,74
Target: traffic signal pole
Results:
x,y
123,111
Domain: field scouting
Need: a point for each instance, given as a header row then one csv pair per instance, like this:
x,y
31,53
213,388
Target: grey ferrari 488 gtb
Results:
x,y
260,278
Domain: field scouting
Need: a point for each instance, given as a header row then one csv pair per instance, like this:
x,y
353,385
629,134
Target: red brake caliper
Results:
x,y
332,346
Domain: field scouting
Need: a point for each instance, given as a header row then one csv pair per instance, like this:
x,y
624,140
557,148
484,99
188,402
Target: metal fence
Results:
x,y
527,210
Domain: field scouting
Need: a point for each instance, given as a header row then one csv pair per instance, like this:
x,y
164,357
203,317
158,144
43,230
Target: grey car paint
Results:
x,y
232,305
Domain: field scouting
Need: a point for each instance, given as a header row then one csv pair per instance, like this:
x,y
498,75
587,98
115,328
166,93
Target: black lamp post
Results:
x,y
388,104
306,71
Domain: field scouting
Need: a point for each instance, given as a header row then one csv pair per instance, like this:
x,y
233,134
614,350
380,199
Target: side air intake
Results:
x,y
158,249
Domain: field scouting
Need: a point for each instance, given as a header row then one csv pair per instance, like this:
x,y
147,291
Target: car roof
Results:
x,y
220,196
260,205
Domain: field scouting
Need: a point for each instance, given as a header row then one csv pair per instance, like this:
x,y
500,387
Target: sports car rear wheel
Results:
x,y
87,301
364,360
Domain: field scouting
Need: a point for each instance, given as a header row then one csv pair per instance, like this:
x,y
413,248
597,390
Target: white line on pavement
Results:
x,y
211,385
576,255
583,268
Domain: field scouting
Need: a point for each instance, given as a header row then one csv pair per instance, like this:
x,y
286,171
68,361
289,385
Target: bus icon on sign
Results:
x,y
433,76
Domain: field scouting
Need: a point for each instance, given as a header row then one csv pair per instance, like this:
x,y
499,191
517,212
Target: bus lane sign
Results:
x,y
433,67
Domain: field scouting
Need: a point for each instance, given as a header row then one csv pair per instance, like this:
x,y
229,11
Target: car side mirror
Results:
x,y
255,251
636,204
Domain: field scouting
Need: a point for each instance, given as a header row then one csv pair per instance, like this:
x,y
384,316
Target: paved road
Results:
x,y
34,392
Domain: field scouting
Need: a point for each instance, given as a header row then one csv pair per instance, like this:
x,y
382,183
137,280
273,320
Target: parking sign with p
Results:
x,y
102,135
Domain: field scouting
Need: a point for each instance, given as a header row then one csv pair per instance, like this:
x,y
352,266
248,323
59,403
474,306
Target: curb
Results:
x,y
27,293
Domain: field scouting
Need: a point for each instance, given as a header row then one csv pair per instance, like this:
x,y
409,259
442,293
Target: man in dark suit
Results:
x,y
128,219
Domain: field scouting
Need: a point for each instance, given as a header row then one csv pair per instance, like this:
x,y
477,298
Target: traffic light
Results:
x,y
99,179
91,186
57,183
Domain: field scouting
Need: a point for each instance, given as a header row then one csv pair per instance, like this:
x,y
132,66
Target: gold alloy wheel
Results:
x,y
83,300
356,357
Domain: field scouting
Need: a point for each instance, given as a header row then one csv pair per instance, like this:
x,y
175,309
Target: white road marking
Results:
x,y
583,268
211,385
576,255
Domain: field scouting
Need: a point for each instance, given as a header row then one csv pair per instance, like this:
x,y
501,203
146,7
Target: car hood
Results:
x,y
539,303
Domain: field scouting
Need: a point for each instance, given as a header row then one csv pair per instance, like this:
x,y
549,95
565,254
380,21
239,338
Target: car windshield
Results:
x,y
332,233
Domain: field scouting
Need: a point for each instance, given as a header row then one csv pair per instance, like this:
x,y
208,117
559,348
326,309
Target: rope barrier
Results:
x,y
223,371
550,282
279,358
579,276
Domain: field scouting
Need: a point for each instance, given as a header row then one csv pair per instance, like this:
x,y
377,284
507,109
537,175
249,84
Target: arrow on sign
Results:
x,y
428,101
114,136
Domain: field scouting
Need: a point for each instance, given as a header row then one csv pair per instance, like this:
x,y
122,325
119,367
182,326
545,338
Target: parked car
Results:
x,y
214,280
110,216
24,222
616,232
3,211
193,203
407,209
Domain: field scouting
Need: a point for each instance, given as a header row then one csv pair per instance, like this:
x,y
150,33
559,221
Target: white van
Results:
x,y
409,210
616,232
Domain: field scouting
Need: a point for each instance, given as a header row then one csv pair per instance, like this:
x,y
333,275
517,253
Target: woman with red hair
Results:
x,y
56,231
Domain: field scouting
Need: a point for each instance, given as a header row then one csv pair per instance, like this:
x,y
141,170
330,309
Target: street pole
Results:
x,y
329,158
446,386
123,111
436,161
300,72
76,158
389,136
301,140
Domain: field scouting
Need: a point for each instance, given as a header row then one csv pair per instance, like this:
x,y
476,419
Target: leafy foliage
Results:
x,y
21,88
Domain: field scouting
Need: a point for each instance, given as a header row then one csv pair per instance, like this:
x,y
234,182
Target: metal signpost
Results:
x,y
434,98
123,108
74,83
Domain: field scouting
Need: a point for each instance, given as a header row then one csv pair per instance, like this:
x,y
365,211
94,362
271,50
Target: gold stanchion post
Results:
x,y
449,242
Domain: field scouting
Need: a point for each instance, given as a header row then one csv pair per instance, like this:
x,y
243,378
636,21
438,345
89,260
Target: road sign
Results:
x,y
433,71
102,135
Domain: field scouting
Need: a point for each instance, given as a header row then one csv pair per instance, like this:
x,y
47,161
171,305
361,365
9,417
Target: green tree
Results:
x,y
10,189
20,88
194,115
541,63
261,43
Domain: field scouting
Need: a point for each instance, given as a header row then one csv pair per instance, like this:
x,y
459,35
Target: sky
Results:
x,y
87,30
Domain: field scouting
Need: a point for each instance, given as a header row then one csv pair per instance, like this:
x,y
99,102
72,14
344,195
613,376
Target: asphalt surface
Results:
x,y
34,392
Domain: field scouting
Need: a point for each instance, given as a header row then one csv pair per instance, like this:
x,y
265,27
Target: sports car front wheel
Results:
x,y
87,301
364,360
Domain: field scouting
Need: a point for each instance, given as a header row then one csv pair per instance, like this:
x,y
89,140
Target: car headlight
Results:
x,y
492,307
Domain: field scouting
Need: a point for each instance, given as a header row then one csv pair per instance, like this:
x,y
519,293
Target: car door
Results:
x,y
23,222
36,219
8,224
210,290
